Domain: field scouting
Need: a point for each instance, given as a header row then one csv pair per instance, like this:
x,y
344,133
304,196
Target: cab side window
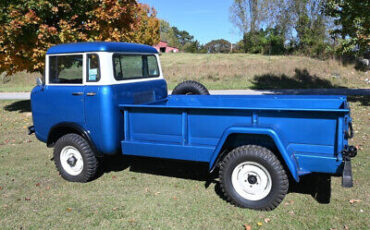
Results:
x,y
93,69
65,69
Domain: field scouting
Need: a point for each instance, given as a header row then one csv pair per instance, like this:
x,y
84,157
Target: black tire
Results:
x,y
261,156
90,162
190,88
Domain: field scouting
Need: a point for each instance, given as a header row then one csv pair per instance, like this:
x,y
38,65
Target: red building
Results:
x,y
163,47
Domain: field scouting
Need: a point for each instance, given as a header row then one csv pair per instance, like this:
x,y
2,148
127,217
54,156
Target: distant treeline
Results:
x,y
318,28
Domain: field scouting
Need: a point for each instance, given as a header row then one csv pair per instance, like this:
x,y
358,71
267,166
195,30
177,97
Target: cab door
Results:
x,y
65,89
92,96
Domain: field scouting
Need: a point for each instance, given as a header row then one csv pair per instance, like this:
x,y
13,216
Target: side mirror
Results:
x,y
39,81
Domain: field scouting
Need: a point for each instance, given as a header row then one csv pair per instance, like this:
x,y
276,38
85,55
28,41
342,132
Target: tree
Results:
x,y
269,25
248,15
218,46
178,38
353,24
269,41
168,35
192,47
182,36
29,27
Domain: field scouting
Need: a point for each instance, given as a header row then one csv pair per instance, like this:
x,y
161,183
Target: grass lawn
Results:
x,y
239,71
152,194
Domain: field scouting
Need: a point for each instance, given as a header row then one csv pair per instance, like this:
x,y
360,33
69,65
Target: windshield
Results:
x,y
134,66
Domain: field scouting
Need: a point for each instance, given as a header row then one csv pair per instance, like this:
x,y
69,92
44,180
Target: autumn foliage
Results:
x,y
29,27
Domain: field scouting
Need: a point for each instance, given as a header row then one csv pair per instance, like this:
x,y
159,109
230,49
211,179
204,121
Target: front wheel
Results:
x,y
75,159
251,176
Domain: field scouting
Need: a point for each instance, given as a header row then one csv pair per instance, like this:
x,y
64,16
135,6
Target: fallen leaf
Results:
x,y
174,197
27,199
259,224
267,220
352,201
114,177
157,193
37,184
114,209
69,209
247,227
1,188
48,188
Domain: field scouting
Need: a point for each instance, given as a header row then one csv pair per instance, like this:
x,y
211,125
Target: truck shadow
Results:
x,y
19,106
316,185
162,167
363,99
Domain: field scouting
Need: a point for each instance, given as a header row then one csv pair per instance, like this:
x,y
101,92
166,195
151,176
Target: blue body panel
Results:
x,y
307,130
82,47
100,115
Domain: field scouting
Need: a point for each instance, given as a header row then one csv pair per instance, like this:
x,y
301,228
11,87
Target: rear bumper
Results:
x,y
347,179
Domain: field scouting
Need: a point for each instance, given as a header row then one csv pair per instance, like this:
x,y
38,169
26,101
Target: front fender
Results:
x,y
289,160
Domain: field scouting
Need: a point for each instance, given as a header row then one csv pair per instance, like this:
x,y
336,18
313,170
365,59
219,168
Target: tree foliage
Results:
x,y
218,46
269,41
29,27
275,25
181,39
352,18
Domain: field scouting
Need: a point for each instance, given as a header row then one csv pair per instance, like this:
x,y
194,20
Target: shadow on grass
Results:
x,y
316,185
20,106
363,99
164,167
302,79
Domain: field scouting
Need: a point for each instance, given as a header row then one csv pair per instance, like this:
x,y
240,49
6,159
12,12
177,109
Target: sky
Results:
x,y
206,20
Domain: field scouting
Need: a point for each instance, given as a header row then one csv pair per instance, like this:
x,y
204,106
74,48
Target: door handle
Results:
x,y
90,94
77,93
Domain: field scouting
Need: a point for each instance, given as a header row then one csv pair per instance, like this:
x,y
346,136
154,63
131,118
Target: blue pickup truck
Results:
x,y
105,98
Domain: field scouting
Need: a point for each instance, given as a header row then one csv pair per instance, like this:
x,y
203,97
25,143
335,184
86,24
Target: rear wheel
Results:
x,y
75,159
252,177
190,88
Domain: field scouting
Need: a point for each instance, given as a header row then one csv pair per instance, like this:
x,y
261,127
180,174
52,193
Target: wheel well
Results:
x,y
60,131
236,140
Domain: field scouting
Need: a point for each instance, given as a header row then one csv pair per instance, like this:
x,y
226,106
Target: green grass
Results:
x,y
240,71
155,194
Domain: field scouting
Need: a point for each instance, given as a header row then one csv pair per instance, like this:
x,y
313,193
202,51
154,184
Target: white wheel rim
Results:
x,y
251,181
68,155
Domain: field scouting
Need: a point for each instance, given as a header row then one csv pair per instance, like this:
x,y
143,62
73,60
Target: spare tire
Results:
x,y
190,88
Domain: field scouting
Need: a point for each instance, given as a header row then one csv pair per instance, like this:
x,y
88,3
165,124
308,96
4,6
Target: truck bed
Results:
x,y
306,129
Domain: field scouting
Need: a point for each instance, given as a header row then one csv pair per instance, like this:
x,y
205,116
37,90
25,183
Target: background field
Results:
x,y
240,71
136,193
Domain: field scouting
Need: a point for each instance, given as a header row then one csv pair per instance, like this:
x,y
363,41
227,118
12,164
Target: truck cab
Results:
x,y
106,98
84,83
